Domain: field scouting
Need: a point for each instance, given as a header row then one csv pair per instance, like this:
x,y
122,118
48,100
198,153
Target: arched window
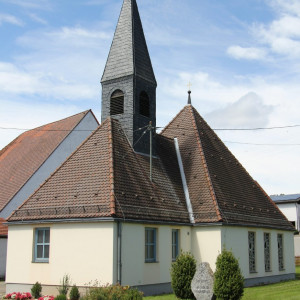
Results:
x,y
117,103
144,104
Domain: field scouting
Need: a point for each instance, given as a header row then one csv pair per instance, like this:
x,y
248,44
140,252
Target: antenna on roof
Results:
x,y
189,92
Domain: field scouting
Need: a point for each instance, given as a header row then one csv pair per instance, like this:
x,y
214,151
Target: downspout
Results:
x,y
185,187
119,252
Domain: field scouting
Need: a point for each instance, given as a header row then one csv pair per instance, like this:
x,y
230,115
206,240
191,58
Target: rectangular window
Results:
x,y
251,246
150,244
280,252
41,244
267,252
175,243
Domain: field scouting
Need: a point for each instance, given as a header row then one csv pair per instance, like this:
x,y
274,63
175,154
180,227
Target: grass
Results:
x,y
288,290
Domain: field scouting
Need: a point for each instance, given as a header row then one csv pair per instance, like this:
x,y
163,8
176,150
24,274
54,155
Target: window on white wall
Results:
x,y
280,252
267,252
175,243
42,244
150,244
251,249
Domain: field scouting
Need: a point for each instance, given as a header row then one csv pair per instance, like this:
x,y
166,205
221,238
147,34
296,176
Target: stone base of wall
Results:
x,y
268,279
148,290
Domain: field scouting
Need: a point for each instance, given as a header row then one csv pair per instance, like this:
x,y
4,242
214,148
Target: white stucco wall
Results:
x,y
135,271
85,251
59,155
290,211
206,244
236,240
3,249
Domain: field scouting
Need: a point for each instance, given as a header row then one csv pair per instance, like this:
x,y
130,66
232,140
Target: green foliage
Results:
x,y
65,285
182,273
61,297
36,290
113,292
229,282
74,293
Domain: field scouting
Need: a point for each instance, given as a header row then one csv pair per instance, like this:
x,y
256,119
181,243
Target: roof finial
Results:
x,y
189,92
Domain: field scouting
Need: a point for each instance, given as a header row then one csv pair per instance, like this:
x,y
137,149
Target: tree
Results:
x,y
229,282
182,273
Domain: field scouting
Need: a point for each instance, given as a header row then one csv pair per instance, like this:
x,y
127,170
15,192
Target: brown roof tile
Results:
x,y
105,178
3,228
20,159
220,188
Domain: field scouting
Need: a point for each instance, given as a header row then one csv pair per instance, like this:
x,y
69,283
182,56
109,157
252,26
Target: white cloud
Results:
x,y
30,4
6,18
250,53
37,19
282,35
278,37
14,80
247,112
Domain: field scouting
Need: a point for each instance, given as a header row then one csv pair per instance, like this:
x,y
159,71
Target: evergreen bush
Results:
x,y
74,293
182,273
229,282
61,297
36,290
113,292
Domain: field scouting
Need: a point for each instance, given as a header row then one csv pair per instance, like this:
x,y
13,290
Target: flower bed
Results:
x,y
18,296
46,298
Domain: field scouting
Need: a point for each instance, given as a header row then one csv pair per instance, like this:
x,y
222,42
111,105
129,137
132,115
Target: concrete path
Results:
x,y
2,289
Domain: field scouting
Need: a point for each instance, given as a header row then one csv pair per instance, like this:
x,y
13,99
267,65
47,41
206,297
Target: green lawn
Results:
x,y
289,290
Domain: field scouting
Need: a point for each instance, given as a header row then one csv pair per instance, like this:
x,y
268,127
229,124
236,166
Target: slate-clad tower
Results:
x,y
128,81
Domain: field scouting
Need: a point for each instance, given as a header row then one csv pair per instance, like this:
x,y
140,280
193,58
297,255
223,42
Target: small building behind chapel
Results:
x,y
128,200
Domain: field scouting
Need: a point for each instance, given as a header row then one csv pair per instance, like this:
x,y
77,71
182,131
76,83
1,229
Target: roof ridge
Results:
x,y
53,173
202,155
111,168
84,113
173,120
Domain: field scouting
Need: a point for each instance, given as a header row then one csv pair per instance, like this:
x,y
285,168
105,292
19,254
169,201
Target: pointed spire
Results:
x,y
189,98
129,53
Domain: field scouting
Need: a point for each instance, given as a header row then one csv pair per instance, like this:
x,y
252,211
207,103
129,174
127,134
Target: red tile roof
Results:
x,y
220,188
106,178
3,228
20,159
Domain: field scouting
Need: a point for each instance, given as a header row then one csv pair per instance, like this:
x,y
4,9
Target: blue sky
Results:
x,y
242,58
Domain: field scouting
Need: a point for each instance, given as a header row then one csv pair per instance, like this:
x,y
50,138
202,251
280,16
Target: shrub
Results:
x,y
229,282
65,285
74,293
182,273
113,292
36,290
61,297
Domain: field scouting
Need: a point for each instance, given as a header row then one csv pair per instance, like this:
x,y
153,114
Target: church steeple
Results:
x,y
128,81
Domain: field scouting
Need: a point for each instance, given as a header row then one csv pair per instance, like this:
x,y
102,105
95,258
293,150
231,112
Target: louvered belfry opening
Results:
x,y
117,103
144,105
